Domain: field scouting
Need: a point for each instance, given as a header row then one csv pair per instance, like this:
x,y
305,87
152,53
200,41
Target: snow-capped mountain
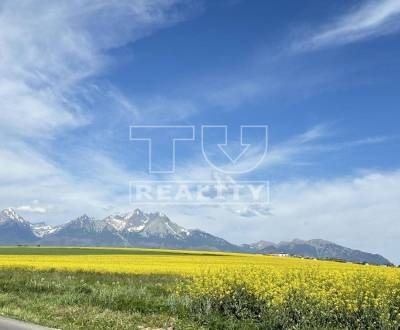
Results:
x,y
14,229
258,245
147,224
132,222
84,231
10,215
135,229
41,229
156,230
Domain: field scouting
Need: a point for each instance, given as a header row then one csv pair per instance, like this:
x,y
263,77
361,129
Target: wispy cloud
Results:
x,y
364,141
371,19
274,70
46,57
49,63
31,209
299,149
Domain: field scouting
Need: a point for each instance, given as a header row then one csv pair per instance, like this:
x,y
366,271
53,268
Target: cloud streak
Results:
x,y
31,209
370,20
46,57
49,64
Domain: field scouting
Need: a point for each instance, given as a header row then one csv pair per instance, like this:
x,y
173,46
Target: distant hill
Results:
x,y
319,249
156,230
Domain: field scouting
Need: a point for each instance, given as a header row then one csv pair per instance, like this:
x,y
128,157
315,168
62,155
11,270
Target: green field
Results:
x,y
67,251
91,301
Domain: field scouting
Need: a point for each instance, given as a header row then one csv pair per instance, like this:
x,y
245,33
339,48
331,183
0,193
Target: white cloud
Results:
x,y
26,111
50,55
28,175
31,209
372,19
360,211
46,56
346,210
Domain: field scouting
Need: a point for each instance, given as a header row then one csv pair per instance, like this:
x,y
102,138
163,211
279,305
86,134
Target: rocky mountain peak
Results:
x,y
84,218
9,214
82,222
14,228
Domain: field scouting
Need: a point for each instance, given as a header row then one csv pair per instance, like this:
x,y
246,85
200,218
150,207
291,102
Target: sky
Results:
x,y
324,78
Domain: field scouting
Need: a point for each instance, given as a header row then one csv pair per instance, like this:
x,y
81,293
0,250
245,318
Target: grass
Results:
x,y
88,300
66,251
82,300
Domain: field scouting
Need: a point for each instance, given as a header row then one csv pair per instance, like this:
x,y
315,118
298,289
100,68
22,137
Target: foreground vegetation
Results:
x,y
138,288
88,300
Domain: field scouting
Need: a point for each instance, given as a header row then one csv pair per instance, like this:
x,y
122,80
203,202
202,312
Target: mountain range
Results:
x,y
156,230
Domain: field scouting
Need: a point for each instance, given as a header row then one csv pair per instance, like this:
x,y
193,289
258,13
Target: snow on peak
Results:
x,y
134,221
81,222
136,229
10,214
41,229
156,223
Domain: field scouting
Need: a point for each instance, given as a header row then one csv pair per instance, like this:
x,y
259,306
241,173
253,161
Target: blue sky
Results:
x,y
323,76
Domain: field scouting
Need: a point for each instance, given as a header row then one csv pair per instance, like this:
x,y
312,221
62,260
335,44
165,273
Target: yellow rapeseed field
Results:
x,y
321,292
181,263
